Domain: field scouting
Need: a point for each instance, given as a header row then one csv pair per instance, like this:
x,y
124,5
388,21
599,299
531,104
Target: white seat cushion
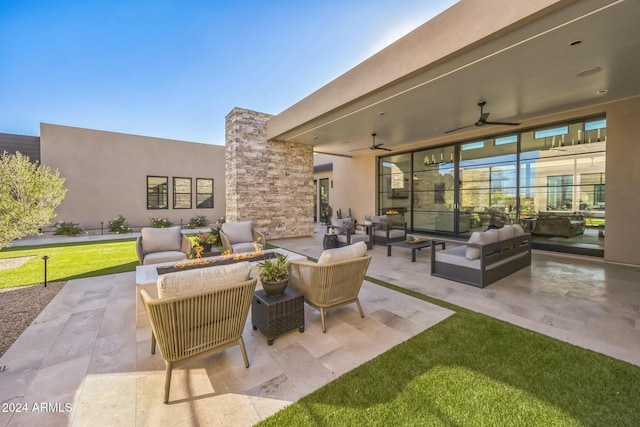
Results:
x,y
167,256
202,279
355,250
160,239
238,248
394,233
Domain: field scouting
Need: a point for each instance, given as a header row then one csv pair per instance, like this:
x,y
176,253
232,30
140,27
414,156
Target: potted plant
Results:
x,y
367,220
208,240
274,274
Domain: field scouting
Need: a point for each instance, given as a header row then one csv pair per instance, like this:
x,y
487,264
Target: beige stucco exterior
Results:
x,y
106,174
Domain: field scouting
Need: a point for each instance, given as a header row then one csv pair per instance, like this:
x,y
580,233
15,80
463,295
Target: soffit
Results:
x,y
525,73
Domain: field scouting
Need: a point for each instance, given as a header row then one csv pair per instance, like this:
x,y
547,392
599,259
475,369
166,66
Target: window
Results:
x,y
157,192
182,193
204,193
560,192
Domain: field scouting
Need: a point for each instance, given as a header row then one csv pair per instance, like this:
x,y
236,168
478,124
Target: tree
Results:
x,y
29,195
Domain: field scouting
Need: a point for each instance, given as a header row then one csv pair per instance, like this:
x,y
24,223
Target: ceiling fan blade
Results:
x,y
382,148
360,149
502,123
463,127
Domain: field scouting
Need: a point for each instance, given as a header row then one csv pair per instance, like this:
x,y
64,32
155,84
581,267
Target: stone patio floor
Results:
x,y
84,362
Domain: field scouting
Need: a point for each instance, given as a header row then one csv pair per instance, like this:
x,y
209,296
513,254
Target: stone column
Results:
x,y
268,182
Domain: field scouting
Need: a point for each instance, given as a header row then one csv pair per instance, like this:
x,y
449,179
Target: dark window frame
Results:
x,y
199,194
159,195
176,193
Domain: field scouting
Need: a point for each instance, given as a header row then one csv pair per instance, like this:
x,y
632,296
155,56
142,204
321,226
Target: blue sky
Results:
x,y
174,69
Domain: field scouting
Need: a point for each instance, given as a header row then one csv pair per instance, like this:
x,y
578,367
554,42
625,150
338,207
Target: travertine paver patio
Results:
x,y
84,349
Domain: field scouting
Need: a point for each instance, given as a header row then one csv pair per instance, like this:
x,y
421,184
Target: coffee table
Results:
x,y
414,246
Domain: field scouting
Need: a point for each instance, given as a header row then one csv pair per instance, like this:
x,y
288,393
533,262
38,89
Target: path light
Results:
x,y
45,258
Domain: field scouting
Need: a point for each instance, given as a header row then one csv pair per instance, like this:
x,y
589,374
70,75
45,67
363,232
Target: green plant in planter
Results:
x,y
119,225
274,274
197,221
211,238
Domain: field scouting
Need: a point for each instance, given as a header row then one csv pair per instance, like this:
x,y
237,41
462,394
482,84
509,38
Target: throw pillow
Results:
x,y
355,250
474,253
490,236
517,230
160,239
505,232
202,279
238,232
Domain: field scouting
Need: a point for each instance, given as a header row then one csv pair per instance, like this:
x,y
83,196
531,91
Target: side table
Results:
x,y
274,315
330,241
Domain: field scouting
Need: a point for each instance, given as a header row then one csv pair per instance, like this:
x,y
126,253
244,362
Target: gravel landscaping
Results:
x,y
19,307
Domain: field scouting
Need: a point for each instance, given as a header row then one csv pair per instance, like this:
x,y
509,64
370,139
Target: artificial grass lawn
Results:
x,y
69,261
473,370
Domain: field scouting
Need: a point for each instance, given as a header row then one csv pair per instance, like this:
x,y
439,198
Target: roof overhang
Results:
x,y
519,57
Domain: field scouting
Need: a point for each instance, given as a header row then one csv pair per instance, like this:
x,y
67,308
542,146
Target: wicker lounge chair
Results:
x,y
158,245
238,237
198,324
332,284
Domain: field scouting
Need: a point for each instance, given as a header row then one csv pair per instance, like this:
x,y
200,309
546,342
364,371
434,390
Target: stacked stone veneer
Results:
x,y
268,182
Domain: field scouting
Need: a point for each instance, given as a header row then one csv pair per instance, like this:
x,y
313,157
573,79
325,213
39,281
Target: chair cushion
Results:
x,y
238,248
160,239
339,223
474,253
517,230
238,232
166,256
394,233
505,232
355,250
381,219
202,279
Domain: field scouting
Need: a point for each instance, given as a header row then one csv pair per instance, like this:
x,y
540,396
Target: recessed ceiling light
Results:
x,y
589,71
602,91
575,42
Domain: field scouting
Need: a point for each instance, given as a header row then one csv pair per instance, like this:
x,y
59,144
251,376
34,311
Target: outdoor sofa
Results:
x,y
486,257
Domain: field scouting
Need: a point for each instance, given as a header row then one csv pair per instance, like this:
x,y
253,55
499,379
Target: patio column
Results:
x,y
268,182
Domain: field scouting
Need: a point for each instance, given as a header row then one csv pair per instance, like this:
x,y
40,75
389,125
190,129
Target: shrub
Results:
x,y
221,220
197,221
160,222
67,228
119,225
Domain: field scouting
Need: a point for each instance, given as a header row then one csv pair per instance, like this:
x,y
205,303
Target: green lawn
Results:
x,y
474,370
69,261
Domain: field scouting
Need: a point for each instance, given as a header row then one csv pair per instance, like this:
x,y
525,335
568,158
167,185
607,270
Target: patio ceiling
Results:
x,y
528,70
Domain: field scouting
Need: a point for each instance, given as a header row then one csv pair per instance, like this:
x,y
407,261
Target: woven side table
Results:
x,y
274,315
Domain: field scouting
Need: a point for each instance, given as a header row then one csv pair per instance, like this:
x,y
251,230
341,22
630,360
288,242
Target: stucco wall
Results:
x,y
106,174
268,182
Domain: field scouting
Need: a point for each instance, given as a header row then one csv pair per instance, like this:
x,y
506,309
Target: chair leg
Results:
x,y
359,307
167,382
324,328
244,352
153,343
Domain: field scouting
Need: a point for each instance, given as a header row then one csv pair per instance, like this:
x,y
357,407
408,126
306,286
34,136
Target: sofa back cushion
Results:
x,y
345,253
202,279
517,230
474,253
505,232
160,239
238,232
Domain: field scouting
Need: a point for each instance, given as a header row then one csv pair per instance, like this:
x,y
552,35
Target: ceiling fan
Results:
x,y
482,121
374,146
